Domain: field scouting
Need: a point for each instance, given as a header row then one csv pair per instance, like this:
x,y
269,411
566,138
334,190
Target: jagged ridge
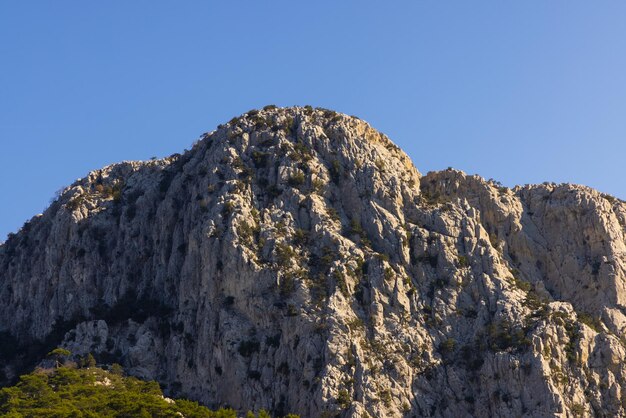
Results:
x,y
298,258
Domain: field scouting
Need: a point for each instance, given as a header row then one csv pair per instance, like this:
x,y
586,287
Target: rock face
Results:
x,y
295,260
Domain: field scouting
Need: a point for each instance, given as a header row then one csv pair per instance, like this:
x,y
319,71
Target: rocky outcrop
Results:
x,y
295,260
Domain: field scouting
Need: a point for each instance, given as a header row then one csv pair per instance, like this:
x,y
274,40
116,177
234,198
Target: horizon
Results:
x,y
523,93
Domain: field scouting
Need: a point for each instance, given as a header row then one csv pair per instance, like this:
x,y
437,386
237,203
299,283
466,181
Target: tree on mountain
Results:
x,y
59,355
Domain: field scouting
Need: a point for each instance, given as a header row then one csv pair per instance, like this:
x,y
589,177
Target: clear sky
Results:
x,y
524,91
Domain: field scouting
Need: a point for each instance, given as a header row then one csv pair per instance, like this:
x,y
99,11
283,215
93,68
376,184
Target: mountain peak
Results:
x,y
295,260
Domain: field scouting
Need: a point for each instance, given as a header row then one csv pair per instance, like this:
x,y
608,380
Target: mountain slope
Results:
x,y
295,260
95,392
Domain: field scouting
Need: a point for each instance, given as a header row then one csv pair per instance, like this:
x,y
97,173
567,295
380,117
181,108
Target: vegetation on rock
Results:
x,y
68,391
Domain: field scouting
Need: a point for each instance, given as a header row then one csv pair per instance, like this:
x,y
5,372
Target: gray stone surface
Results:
x,y
295,260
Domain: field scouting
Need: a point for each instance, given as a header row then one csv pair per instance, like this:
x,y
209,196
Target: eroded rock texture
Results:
x,y
295,260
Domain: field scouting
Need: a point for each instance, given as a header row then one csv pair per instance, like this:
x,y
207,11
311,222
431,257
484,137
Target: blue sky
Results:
x,y
523,92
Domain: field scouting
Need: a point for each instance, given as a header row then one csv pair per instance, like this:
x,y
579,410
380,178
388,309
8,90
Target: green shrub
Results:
x,y
68,392
385,397
355,227
578,410
340,279
537,304
519,283
238,187
335,171
260,158
447,347
110,191
493,240
333,214
297,179
289,126
317,185
382,257
75,202
301,153
592,322
432,198
571,348
287,285
611,199
228,208
463,261
87,361
237,163
301,237
285,254
343,399
116,369
248,233
504,336
355,324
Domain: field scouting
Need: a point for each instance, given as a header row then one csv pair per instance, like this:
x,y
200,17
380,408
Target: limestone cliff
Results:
x,y
295,260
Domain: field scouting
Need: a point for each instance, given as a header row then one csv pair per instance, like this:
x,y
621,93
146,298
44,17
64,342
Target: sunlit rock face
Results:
x,y
295,260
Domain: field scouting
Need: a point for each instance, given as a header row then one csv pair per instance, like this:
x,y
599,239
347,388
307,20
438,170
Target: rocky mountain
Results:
x,y
295,260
